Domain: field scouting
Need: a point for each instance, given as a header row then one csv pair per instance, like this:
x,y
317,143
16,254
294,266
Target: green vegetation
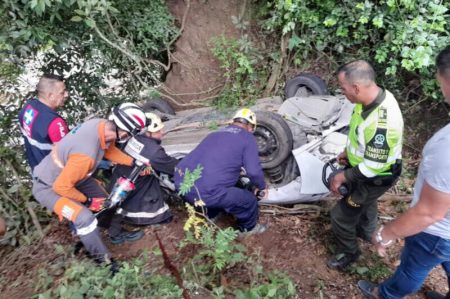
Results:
x,y
401,37
243,69
86,280
90,42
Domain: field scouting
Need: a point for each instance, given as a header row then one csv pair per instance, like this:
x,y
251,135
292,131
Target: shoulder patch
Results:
x,y
28,119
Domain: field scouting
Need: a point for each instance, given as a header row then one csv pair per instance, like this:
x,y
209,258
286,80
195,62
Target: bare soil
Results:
x,y
298,245
195,73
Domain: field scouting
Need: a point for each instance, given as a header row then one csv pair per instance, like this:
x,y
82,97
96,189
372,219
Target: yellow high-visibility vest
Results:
x,y
375,140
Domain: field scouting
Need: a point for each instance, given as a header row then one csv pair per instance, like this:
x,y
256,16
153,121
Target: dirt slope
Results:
x,y
195,70
296,245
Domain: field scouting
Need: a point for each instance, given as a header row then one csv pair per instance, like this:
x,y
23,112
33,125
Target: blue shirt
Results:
x,y
222,154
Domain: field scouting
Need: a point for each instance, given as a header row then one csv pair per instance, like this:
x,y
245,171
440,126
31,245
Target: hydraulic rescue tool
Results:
x,y
124,185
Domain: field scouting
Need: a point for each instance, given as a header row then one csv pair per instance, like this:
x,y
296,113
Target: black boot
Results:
x,y
107,261
342,261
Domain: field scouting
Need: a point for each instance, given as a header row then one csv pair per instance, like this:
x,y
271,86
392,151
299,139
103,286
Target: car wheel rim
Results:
x,y
303,91
267,143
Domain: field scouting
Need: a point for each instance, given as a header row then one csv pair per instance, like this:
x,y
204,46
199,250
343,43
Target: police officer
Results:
x,y
222,154
41,125
373,157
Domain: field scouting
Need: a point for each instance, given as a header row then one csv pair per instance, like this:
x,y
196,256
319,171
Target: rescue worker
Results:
x,y
62,182
40,124
221,155
426,224
145,204
373,155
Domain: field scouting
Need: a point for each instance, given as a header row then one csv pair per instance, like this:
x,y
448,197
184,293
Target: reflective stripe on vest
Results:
x,y
160,211
33,142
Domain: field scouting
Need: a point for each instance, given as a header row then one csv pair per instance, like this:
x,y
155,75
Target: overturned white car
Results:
x,y
295,135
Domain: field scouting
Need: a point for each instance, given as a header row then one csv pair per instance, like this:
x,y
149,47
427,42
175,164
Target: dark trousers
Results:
x,y
109,219
238,202
356,215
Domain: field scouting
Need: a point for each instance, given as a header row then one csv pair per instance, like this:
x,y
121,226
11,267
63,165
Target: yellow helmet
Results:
x,y
154,122
247,115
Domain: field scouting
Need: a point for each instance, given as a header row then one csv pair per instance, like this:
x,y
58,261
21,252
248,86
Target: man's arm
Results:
x,y
432,207
77,168
162,162
252,165
57,129
116,155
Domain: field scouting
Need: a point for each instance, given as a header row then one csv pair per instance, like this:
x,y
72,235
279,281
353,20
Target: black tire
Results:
x,y
305,85
158,104
274,139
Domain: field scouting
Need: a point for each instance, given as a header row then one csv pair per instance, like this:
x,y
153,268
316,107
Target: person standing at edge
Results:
x,y
426,225
40,124
373,156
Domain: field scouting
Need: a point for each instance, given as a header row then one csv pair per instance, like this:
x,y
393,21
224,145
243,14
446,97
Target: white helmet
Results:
x,y
245,115
154,122
129,117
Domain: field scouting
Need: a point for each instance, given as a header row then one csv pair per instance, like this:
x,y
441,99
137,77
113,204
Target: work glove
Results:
x,y
95,204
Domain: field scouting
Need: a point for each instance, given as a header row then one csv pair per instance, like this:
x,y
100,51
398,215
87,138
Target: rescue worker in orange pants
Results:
x,y
62,182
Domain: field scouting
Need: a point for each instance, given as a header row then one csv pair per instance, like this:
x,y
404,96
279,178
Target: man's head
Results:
x,y
113,133
246,119
154,126
129,118
443,72
51,90
357,81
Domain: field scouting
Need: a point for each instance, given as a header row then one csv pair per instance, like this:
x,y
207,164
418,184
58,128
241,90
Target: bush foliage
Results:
x,y
91,43
398,36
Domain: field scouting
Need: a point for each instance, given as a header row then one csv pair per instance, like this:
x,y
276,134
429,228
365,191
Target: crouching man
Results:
x,y
222,154
62,182
145,204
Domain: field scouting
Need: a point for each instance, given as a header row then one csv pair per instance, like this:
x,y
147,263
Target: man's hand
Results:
x,y
337,181
381,244
95,204
380,249
261,194
342,158
147,171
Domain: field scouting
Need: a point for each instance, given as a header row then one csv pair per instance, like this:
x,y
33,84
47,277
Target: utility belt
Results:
x,y
387,180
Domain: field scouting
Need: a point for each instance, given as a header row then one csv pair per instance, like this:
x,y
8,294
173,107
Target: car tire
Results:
x,y
274,139
305,85
158,104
